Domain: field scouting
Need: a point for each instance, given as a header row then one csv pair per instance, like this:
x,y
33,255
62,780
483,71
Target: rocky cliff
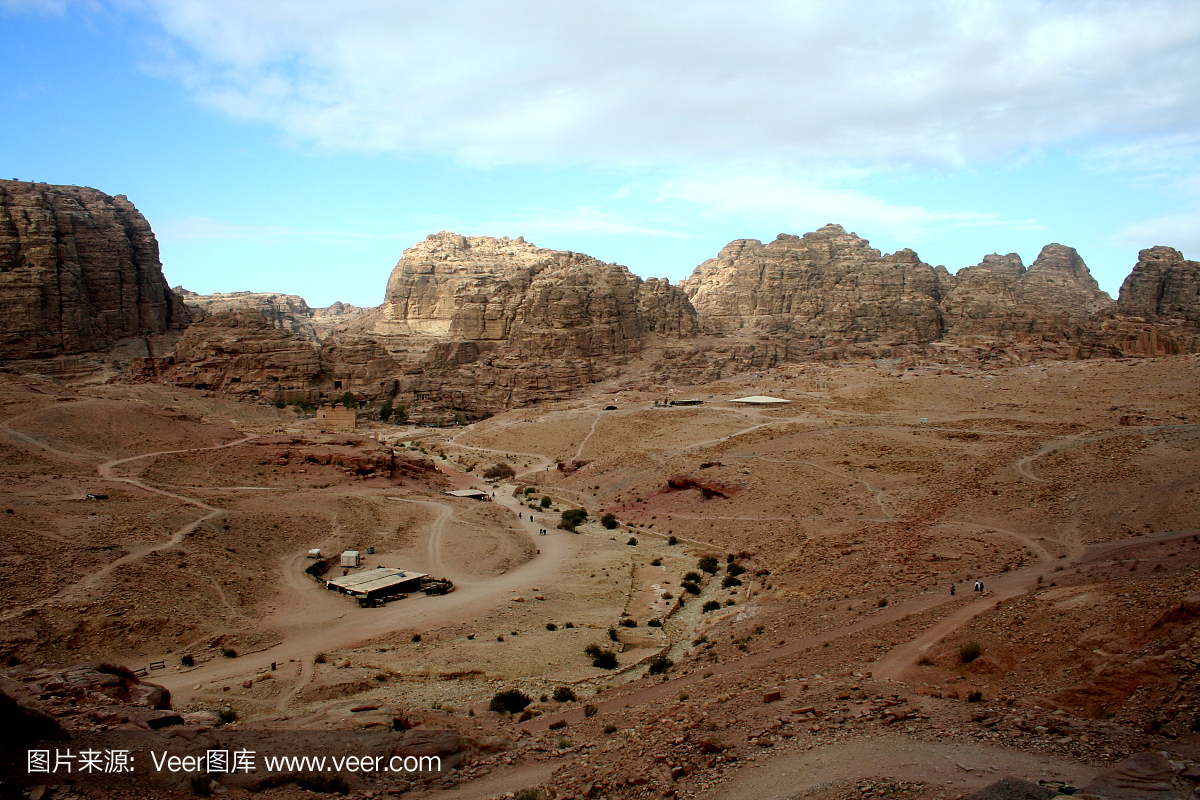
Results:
x,y
79,270
483,323
1056,297
287,312
548,303
1163,285
828,283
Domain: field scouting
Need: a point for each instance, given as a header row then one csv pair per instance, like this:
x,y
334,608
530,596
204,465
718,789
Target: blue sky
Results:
x,y
300,147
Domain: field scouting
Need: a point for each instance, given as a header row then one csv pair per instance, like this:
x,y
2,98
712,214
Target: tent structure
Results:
x,y
760,400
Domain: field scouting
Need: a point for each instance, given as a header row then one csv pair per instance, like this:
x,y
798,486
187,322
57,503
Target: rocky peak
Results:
x,y
824,283
1162,284
1055,297
79,270
550,303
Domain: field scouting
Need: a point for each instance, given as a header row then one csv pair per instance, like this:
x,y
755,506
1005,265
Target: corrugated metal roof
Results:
x,y
467,493
375,579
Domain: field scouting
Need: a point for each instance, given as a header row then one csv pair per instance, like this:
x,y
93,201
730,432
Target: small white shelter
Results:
x,y
760,400
314,552
350,558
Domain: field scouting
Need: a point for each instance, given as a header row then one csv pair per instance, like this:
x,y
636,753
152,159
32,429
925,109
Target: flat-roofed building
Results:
x,y
377,583
760,400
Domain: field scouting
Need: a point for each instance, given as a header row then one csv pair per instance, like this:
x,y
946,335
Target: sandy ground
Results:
x,y
849,512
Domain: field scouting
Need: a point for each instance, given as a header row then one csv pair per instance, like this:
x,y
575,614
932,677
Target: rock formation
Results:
x,y
1163,285
287,312
1056,297
79,270
500,322
828,283
549,303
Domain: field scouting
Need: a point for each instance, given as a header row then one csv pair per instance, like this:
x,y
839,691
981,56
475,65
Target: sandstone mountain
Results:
x,y
79,270
825,283
546,302
478,323
1162,285
288,312
1056,297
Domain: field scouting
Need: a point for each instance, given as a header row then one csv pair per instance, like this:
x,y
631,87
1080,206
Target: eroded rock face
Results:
x,y
825,283
79,270
287,312
483,323
549,303
1056,297
1163,284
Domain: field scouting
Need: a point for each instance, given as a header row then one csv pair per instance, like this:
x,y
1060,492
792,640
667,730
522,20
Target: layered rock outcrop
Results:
x,y
287,312
828,283
499,322
79,270
1056,297
1162,285
549,303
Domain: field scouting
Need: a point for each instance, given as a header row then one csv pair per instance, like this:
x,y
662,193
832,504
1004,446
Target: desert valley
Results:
x,y
818,522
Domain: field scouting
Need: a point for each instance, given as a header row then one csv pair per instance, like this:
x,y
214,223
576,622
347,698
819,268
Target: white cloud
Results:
x,y
790,202
864,82
1181,231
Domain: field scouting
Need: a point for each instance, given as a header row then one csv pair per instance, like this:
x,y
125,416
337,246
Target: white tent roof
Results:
x,y
759,399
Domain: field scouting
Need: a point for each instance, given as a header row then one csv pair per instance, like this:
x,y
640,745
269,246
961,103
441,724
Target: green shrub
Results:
x,y
711,605
511,700
731,581
708,564
187,661
656,562
550,626
229,652
632,541
654,623
969,651
571,518
735,569
672,540
610,728
660,664
693,576
974,697
592,650
883,601
545,501
628,623
690,587
564,694
607,659
590,710
227,715
612,634
609,521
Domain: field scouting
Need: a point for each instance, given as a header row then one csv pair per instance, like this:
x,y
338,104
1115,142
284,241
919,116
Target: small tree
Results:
x,y
349,400
401,414
708,564
711,605
460,419
545,502
660,664
385,411
572,517
511,700
609,521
